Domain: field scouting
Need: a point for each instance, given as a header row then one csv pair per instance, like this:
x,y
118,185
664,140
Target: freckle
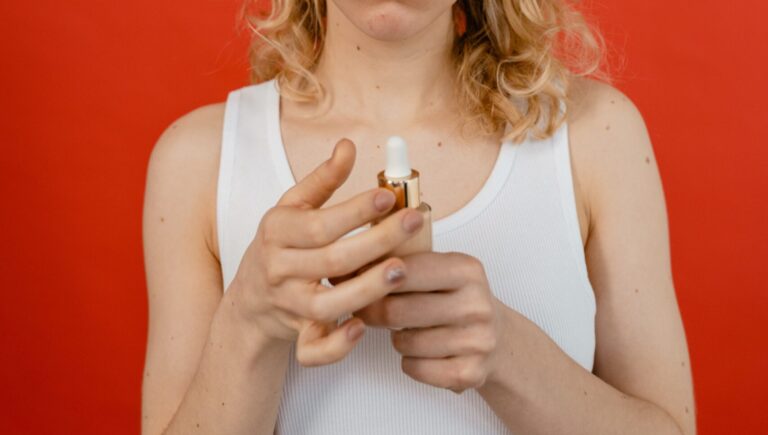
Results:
x,y
637,291
357,47
686,410
439,144
174,126
146,374
162,219
222,403
378,87
607,127
378,146
682,364
197,424
171,337
613,101
585,392
647,160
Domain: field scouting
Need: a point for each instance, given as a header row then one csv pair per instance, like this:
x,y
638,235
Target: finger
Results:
x,y
414,310
320,344
456,373
314,190
351,295
318,227
442,341
464,306
348,254
441,270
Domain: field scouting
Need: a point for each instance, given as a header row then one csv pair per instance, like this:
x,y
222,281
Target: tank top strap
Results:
x,y
560,143
247,179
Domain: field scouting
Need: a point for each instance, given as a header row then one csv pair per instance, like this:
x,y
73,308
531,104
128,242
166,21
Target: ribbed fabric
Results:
x,y
522,225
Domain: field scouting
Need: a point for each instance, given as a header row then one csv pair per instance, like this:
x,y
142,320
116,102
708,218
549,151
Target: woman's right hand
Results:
x,y
277,287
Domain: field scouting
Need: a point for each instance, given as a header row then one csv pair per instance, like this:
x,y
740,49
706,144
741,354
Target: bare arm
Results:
x,y
196,353
641,382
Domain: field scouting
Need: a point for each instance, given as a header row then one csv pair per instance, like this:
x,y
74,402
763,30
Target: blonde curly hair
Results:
x,y
513,59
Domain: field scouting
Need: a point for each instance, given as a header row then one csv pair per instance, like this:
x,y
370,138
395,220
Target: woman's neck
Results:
x,y
390,83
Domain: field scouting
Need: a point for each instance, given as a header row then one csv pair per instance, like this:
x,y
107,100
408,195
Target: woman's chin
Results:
x,y
388,27
389,21
392,20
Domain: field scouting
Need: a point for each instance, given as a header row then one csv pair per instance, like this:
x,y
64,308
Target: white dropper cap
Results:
x,y
397,158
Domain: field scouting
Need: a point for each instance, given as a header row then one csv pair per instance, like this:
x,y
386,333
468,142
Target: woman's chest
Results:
x,y
452,170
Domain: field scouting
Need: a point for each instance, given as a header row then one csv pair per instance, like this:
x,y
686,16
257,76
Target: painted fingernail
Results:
x,y
383,200
412,221
394,274
355,331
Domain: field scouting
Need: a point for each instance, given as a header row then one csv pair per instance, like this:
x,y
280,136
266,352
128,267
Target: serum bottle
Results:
x,y
403,181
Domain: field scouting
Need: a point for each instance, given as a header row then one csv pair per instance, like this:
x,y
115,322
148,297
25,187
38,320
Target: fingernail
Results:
x,y
412,221
394,274
383,200
355,331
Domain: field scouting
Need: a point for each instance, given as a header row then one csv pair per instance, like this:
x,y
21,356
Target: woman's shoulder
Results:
x,y
605,127
611,151
597,108
192,128
182,171
190,145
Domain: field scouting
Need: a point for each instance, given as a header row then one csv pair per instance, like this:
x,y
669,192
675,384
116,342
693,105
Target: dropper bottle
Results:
x,y
403,181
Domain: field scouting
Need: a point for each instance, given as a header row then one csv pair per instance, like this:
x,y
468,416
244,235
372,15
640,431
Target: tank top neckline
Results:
x,y
490,189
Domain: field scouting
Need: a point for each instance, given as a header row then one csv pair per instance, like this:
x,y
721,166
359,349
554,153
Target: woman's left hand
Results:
x,y
451,321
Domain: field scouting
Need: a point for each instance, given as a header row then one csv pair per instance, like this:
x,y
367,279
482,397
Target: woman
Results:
x,y
547,306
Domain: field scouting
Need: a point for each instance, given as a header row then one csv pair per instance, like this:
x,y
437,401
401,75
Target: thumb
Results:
x,y
315,189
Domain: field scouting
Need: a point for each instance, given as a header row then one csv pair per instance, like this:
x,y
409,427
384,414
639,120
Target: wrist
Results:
x,y
507,353
243,327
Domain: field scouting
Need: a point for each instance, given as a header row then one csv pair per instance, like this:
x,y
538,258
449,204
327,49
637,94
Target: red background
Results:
x,y
88,86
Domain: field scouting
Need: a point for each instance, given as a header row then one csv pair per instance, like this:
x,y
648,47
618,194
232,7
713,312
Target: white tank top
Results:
x,y
522,225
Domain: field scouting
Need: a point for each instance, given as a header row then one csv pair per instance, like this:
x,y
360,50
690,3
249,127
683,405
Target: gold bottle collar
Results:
x,y
406,189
